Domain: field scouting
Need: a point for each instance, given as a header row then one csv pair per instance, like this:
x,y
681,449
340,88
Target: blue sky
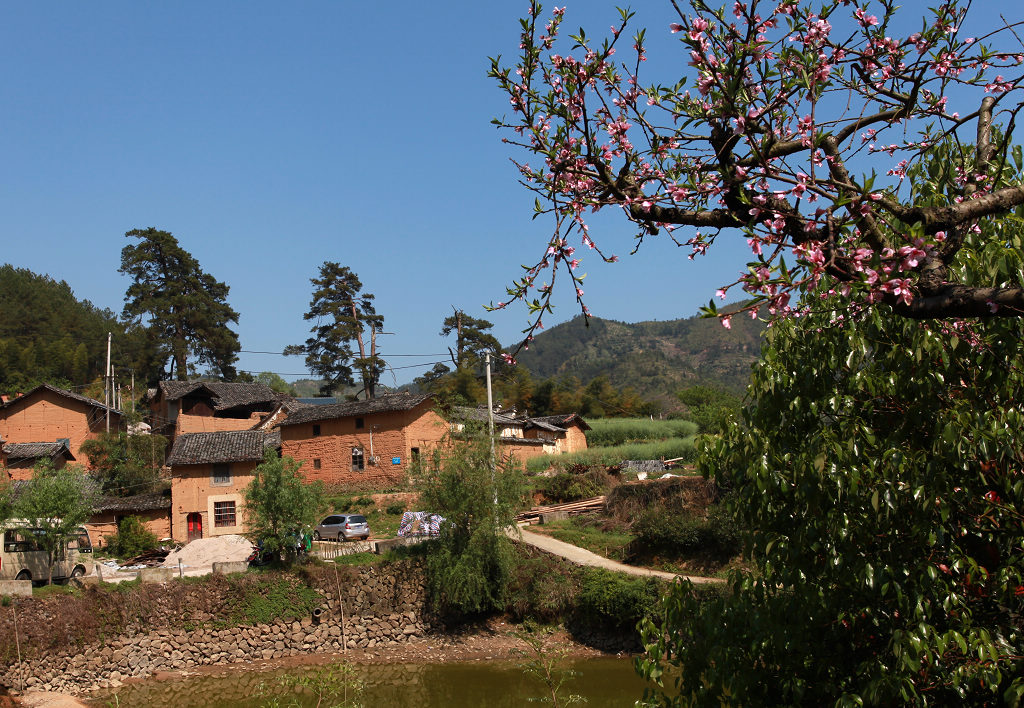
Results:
x,y
270,137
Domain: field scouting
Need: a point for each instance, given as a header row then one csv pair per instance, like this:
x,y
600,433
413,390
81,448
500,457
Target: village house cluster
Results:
x,y
219,432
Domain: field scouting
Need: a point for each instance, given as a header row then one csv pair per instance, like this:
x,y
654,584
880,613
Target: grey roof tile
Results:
x,y
229,446
383,404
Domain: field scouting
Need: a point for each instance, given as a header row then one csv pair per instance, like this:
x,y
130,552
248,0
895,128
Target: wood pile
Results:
x,y
150,559
584,506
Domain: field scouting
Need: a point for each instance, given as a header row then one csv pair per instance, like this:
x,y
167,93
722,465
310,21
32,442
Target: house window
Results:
x,y
316,430
358,462
221,476
316,463
415,455
360,423
224,513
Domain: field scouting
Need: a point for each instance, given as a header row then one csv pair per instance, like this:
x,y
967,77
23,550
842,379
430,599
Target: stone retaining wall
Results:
x,y
381,606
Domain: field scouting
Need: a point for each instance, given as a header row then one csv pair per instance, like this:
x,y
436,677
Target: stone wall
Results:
x,y
381,605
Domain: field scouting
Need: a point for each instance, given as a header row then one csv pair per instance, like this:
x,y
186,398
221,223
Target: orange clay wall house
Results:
x,y
47,415
362,443
209,474
524,437
153,510
567,432
178,407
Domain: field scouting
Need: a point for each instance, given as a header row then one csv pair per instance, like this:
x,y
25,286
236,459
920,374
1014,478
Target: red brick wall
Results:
x,y
47,417
394,435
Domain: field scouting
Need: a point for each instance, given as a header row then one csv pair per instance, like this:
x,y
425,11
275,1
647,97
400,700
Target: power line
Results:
x,y
256,351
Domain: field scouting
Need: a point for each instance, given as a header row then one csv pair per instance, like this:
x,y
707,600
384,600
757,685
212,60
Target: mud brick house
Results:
x,y
178,407
526,437
18,459
209,474
47,415
567,432
153,510
362,443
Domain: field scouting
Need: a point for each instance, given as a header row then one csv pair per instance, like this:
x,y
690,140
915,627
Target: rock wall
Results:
x,y
382,605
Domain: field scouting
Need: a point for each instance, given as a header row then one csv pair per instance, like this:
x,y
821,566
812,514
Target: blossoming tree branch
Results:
x,y
794,128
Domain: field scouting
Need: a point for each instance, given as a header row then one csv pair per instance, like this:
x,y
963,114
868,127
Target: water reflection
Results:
x,y
605,682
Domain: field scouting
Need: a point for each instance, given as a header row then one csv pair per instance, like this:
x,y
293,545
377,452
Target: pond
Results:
x,y
605,682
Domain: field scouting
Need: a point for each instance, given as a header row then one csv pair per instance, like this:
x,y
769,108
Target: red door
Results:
x,y
195,526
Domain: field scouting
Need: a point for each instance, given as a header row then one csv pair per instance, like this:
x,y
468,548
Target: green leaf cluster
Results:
x,y
478,495
879,469
279,504
126,464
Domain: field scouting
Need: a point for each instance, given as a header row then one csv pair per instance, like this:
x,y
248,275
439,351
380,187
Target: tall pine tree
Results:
x,y
186,308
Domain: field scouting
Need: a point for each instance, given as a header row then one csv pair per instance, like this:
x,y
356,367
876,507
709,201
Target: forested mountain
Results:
x,y
656,359
47,335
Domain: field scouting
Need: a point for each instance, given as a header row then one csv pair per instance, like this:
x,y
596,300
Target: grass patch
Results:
x,y
612,456
589,533
611,432
52,590
280,597
360,559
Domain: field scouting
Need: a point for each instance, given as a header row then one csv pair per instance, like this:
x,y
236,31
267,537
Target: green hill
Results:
x,y
654,358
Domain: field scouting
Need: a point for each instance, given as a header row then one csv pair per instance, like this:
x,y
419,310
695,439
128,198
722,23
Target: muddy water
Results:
x,y
604,682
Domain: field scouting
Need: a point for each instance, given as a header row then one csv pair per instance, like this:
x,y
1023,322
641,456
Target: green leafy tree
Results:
x,y
5,499
279,503
185,307
126,464
710,407
342,313
878,468
132,538
56,502
469,566
274,382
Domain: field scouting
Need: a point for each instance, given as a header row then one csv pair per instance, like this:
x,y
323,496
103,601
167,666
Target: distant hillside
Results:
x,y
655,358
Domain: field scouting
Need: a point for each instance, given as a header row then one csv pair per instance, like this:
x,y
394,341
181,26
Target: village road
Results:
x,y
581,556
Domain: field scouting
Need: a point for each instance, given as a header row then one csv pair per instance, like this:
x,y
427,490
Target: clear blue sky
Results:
x,y
270,137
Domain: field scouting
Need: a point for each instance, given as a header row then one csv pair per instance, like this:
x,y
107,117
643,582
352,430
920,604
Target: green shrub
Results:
x,y
567,487
364,501
132,538
610,599
675,534
395,508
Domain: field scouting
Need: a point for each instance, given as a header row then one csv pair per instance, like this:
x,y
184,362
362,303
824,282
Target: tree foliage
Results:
x,y
469,566
56,502
710,407
778,133
342,313
279,503
47,335
472,339
126,464
185,308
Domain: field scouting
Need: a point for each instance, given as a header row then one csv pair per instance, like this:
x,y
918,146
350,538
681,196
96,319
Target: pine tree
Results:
x,y
342,313
186,308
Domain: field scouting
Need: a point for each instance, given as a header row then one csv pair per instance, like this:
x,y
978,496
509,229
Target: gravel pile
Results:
x,y
207,551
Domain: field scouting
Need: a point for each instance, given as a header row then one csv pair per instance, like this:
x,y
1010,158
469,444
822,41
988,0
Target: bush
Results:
x,y
364,501
567,487
610,599
395,508
676,534
132,538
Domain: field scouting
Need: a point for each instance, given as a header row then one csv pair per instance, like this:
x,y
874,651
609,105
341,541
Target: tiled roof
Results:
x,y
224,395
384,404
36,450
156,501
61,392
479,414
563,420
229,446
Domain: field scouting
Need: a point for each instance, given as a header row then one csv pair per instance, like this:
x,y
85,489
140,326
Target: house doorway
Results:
x,y
195,526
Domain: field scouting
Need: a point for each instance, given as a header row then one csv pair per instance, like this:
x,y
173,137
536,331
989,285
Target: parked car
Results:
x,y
343,527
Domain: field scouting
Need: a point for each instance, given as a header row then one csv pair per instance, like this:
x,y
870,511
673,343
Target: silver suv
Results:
x,y
343,527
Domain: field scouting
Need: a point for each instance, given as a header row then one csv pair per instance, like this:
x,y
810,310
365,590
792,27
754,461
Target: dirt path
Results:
x,y
581,556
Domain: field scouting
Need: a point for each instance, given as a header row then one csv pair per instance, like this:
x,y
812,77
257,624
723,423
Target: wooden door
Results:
x,y
195,526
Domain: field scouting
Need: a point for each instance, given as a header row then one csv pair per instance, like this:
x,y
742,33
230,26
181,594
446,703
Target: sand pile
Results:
x,y
207,551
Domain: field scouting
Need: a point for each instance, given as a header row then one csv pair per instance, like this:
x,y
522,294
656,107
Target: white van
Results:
x,y
21,559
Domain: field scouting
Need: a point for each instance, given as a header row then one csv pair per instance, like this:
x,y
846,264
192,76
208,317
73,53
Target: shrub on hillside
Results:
x,y
614,600
567,487
676,534
132,538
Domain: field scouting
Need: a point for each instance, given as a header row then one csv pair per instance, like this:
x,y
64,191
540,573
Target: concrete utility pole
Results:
x,y
109,382
490,431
